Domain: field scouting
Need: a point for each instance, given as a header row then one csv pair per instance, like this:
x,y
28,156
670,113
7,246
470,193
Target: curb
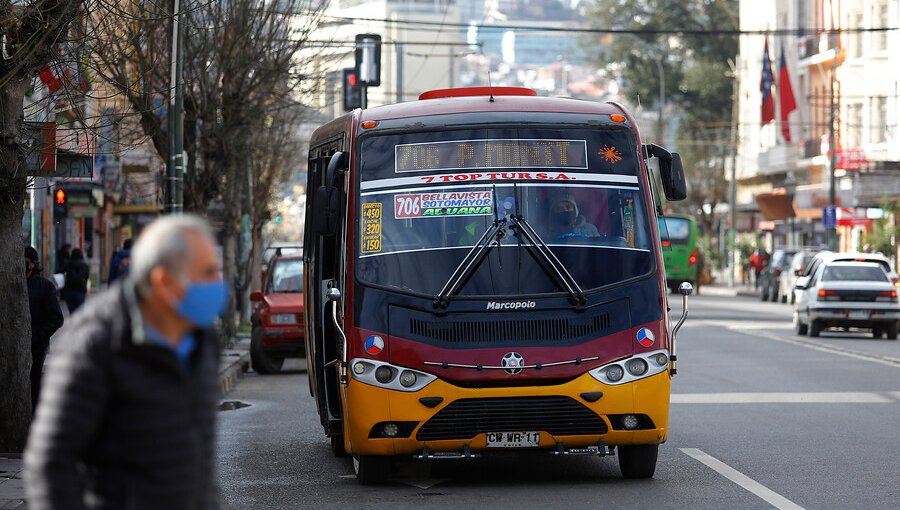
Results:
x,y
233,366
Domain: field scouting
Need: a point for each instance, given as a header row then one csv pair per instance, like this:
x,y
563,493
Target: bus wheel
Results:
x,y
263,363
370,469
337,446
638,461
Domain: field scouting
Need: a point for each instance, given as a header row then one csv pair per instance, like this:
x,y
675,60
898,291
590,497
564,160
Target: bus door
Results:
x,y
324,263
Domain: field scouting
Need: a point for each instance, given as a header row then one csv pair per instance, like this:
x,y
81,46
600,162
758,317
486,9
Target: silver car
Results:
x,y
847,294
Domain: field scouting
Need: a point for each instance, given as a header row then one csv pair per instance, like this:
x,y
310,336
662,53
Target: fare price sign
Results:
x,y
370,230
483,154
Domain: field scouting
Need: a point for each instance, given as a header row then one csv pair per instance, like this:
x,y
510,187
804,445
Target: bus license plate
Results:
x,y
513,439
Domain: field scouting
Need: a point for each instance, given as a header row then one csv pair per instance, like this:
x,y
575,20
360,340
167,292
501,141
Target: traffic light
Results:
x,y
60,204
353,90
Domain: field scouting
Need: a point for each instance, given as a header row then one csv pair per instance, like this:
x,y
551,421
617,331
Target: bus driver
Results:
x,y
565,220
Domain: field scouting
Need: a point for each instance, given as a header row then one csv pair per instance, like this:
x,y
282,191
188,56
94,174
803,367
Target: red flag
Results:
x,y
765,86
785,97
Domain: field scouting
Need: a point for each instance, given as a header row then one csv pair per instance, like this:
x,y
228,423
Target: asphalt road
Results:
x,y
760,418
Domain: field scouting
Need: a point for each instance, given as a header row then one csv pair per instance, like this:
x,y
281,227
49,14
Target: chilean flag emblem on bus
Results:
x,y
645,337
374,345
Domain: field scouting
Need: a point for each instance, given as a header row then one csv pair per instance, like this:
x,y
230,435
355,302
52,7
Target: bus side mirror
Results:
x,y
671,172
327,199
674,184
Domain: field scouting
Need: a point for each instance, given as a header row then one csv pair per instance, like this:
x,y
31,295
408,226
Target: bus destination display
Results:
x,y
509,153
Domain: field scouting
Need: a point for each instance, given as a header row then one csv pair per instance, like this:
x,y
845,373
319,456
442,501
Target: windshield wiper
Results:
x,y
542,253
471,261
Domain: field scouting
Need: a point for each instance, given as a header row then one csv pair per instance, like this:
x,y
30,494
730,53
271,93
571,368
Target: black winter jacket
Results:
x,y
121,424
46,316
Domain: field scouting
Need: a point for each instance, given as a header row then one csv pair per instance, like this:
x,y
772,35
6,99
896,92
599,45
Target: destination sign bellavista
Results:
x,y
507,153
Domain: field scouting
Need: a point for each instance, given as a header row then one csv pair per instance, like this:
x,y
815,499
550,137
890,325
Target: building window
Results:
x,y
877,119
854,125
880,20
855,49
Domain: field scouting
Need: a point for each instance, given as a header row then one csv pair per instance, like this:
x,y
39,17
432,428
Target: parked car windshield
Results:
x,y
287,276
866,273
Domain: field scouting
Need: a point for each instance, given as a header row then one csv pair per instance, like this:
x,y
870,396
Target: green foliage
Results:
x,y
885,230
709,247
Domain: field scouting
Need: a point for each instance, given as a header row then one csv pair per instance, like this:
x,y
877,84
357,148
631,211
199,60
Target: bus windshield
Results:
x,y
579,190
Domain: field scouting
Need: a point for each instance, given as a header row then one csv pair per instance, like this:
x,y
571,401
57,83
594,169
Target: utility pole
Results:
x,y
831,231
662,101
398,48
175,166
731,244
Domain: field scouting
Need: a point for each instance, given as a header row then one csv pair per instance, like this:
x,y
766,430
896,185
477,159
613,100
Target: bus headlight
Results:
x,y
615,373
633,368
407,378
636,367
385,375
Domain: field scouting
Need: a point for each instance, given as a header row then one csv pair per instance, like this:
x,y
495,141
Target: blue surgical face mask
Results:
x,y
203,302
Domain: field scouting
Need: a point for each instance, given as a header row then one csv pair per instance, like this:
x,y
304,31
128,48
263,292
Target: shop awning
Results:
x,y
775,205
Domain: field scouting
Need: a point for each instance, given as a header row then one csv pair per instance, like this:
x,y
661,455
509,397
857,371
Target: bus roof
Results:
x,y
475,104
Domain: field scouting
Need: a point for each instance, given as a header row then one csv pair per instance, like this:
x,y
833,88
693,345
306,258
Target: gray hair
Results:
x,y
164,243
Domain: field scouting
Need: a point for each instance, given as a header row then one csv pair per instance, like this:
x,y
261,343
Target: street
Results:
x,y
760,418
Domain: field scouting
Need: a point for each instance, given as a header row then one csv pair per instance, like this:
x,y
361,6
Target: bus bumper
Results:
x,y
374,407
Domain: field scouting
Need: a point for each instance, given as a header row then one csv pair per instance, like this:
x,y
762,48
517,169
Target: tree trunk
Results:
x,y
230,246
256,239
15,318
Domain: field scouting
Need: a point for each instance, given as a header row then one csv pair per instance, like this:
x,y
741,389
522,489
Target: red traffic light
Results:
x,y
351,79
60,196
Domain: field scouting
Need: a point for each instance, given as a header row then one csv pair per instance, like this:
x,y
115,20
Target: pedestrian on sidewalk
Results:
x,y
758,261
76,286
120,263
46,318
62,257
128,416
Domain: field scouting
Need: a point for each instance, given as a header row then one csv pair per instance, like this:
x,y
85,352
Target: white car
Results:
x,y
847,294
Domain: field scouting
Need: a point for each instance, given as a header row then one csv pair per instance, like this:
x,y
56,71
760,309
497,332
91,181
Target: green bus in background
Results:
x,y
679,242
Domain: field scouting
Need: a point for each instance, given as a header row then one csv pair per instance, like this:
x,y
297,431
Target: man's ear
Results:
x,y
162,282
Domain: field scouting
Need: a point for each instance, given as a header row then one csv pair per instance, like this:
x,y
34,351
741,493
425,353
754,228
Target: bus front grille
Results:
x,y
466,418
519,330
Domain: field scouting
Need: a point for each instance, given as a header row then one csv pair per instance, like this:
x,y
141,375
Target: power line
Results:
x,y
635,31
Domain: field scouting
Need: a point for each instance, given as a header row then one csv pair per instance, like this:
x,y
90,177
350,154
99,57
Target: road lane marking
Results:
x,y
780,398
896,395
809,344
768,495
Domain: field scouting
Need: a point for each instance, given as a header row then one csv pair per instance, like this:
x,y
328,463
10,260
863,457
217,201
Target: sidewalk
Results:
x,y
235,362
722,289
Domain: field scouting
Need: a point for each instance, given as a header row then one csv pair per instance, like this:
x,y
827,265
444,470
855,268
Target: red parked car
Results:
x,y
278,315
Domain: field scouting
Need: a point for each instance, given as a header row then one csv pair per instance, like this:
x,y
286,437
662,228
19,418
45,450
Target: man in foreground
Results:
x,y
127,415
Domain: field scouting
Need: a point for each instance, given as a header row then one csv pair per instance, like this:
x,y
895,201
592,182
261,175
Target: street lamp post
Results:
x,y
662,100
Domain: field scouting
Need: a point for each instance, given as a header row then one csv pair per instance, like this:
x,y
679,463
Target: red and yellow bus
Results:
x,y
483,273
